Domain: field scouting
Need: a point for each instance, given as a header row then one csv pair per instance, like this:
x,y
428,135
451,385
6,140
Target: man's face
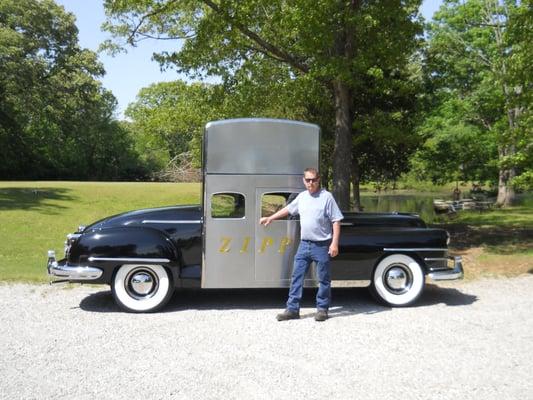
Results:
x,y
311,181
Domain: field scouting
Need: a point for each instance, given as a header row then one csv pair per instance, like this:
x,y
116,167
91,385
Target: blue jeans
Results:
x,y
308,252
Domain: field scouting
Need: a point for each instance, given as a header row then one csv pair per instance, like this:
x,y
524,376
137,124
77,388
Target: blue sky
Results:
x,y
128,72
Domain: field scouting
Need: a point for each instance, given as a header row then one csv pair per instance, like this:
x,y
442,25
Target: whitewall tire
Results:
x,y
398,280
142,288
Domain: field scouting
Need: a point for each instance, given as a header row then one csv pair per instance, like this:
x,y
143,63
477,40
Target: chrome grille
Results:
x,y
71,238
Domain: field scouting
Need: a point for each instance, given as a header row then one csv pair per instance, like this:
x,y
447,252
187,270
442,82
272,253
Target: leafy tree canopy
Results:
x,y
337,44
56,120
476,63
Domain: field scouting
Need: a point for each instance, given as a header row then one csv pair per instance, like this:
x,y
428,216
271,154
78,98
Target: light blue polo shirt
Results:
x,y
317,212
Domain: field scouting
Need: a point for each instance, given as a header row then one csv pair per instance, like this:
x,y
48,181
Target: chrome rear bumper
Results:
x,y
71,272
449,274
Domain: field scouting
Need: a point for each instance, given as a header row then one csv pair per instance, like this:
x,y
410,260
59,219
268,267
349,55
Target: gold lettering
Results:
x,y
267,241
285,242
244,248
225,244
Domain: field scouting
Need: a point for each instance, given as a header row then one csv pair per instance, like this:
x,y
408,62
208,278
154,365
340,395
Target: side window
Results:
x,y
272,202
227,205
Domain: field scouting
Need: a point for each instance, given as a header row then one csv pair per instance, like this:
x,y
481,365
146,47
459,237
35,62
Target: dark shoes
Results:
x,y
321,315
287,315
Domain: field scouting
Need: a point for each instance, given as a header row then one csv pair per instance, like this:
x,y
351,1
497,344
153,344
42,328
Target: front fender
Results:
x,y
111,247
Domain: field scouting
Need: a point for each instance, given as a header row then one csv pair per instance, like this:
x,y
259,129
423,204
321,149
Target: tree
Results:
x,y
334,43
477,53
167,119
56,120
386,113
454,149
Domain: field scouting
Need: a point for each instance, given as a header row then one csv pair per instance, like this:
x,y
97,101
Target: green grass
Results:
x,y
513,217
36,216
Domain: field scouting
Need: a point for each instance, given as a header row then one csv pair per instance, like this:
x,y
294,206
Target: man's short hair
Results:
x,y
314,171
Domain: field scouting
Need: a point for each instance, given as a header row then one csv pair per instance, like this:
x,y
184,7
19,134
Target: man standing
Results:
x,y
320,230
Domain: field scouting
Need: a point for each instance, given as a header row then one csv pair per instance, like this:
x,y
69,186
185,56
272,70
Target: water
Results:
x,y
417,202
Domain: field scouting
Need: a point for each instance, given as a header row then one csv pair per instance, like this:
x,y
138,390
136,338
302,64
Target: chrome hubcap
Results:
x,y
397,279
141,283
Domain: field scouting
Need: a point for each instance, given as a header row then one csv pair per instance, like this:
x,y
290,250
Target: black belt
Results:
x,y
317,241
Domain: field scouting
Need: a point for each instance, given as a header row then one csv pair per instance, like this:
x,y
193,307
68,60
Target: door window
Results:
x,y
227,205
273,202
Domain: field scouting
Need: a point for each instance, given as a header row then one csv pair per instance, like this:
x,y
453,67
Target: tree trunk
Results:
x,y
342,152
356,180
506,193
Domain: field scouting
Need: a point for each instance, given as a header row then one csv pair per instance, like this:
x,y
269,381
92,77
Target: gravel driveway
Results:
x,y
461,341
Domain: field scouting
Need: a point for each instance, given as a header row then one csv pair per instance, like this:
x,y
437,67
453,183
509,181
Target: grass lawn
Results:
x,y
36,216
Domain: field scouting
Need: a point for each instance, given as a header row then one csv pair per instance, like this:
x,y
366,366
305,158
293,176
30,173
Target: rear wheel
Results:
x,y
398,280
142,288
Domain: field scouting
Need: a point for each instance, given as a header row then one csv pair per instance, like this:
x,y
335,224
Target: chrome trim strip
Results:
x,y
350,283
436,259
129,259
449,274
414,249
176,221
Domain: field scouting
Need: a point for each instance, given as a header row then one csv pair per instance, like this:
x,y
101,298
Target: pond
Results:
x,y
417,202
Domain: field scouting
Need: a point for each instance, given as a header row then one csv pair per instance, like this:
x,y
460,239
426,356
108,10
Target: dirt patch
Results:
x,y
479,262
490,251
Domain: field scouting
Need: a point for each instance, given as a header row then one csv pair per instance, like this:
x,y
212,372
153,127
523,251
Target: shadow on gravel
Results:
x,y
452,297
346,301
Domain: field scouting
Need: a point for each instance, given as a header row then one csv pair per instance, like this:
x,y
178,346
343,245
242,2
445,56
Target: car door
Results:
x,y
276,244
229,242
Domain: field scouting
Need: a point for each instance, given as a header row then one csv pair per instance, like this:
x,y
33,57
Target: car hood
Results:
x,y
135,217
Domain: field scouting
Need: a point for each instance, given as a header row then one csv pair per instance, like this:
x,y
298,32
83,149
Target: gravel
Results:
x,y
461,341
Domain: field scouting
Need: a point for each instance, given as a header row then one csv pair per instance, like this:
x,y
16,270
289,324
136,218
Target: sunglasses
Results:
x,y
311,180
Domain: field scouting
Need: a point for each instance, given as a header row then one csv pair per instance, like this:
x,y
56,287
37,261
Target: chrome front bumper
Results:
x,y
449,274
71,272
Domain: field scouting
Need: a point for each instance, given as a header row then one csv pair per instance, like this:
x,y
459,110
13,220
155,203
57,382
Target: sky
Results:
x,y
127,73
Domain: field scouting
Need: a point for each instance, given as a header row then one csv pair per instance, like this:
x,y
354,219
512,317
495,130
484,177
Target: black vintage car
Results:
x,y
145,254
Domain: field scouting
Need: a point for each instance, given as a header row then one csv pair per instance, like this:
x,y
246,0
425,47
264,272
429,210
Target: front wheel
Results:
x,y
142,288
398,280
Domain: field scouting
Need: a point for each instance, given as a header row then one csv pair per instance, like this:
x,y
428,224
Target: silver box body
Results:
x,y
251,158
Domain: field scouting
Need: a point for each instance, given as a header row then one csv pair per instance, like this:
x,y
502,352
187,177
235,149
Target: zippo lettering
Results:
x,y
245,243
225,247
285,242
266,243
